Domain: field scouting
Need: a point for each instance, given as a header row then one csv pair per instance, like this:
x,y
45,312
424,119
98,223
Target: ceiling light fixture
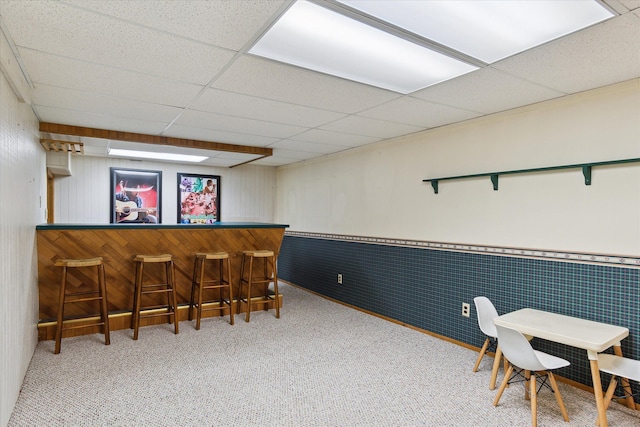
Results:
x,y
488,30
404,46
313,37
156,155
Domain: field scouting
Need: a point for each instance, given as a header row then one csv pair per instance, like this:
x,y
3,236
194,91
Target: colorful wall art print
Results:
x,y
198,199
135,196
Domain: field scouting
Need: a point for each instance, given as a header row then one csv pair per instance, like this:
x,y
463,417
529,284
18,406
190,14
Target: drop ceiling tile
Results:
x,y
68,73
597,56
487,91
236,21
70,99
76,33
370,127
631,4
235,104
267,79
202,134
307,147
292,154
417,112
275,161
227,123
335,138
99,121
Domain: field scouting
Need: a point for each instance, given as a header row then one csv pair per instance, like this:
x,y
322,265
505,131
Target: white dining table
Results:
x,y
594,337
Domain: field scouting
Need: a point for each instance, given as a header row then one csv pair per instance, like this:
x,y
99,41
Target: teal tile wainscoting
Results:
x,y
424,284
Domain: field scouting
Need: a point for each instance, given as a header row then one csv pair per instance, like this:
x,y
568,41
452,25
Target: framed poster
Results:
x,y
135,196
198,198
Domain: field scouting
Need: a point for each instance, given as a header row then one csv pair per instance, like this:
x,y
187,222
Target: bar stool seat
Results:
x,y
219,284
247,278
99,295
168,288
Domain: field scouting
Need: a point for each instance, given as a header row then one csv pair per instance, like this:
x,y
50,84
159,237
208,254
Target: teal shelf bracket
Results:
x,y
586,171
494,180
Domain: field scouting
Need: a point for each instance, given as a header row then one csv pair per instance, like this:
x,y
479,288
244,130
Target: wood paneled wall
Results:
x,y
118,245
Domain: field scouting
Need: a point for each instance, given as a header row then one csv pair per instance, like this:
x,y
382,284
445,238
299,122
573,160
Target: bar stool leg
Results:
x,y
194,281
63,286
175,297
230,291
136,299
247,316
275,288
104,312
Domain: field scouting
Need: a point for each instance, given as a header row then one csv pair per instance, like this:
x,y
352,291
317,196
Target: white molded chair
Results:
x,y
519,352
619,367
486,313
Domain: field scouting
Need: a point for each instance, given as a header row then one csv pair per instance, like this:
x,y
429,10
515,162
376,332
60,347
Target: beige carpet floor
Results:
x,y
320,364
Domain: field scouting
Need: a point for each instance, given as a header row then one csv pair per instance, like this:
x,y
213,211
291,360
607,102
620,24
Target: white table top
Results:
x,y
595,337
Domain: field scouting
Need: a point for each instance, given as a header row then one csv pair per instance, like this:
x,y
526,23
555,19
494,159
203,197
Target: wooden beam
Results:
x,y
55,128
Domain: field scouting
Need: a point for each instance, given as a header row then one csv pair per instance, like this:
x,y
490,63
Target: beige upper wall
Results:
x,y
378,190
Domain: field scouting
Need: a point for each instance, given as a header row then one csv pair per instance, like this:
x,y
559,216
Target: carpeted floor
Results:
x,y
321,364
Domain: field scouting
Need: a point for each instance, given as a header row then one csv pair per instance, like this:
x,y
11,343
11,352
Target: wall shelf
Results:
x,y
586,171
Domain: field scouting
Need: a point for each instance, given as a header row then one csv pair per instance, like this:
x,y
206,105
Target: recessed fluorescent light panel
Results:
x,y
488,30
316,38
407,45
155,155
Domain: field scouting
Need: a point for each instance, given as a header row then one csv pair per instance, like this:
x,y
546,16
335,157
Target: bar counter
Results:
x,y
119,243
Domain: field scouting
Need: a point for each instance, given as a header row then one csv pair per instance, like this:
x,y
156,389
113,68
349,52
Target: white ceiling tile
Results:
x,y
267,79
598,56
99,121
235,104
307,146
68,73
236,21
202,134
124,65
631,4
202,119
370,127
75,33
487,91
335,138
418,112
70,99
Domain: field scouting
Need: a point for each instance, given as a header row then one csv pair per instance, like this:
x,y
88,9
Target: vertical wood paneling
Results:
x,y
23,195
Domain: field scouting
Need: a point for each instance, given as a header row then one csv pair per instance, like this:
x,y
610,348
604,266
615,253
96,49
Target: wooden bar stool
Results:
x,y
269,275
220,283
167,288
99,295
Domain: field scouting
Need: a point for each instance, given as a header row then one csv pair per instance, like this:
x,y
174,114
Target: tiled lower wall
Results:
x,y
424,285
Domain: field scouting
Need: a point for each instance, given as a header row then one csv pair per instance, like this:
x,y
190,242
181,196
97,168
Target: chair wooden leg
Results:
x,y
496,366
554,386
527,383
507,375
534,401
483,350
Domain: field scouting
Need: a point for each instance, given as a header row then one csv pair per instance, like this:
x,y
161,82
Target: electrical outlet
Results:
x,y
466,309
339,279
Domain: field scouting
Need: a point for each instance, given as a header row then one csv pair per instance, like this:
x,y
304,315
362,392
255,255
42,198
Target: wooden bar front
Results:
x,y
118,244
